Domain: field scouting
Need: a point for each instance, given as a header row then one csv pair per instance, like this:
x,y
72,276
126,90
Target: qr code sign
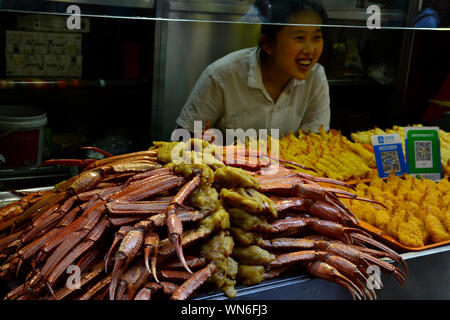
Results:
x,y
390,161
423,154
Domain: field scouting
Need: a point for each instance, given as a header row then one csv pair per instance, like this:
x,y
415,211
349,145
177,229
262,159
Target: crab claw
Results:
x,y
116,241
50,289
176,240
175,230
116,274
128,249
327,272
150,268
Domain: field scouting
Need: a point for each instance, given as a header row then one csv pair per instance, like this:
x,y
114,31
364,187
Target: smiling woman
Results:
x,y
278,85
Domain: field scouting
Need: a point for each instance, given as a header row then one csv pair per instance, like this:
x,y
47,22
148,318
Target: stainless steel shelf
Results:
x,y
231,7
357,14
31,173
20,178
225,11
119,3
40,84
8,197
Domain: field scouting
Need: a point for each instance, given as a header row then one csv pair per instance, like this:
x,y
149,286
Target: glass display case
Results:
x,y
138,60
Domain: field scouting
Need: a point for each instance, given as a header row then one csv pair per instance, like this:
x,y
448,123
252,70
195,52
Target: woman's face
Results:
x,y
297,49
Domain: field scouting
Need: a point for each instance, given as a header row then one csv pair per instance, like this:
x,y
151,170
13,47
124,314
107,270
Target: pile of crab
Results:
x,y
147,226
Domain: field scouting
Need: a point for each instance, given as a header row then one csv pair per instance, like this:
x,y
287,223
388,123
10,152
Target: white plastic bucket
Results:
x,y
21,135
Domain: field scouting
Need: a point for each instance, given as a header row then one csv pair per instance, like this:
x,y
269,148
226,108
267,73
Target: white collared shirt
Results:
x,y
230,94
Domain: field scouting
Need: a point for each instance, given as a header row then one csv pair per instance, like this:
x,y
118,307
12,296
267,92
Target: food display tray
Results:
x,y
429,277
7,197
381,236
393,243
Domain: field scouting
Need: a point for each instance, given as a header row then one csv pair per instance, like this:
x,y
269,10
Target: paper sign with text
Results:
x,y
389,154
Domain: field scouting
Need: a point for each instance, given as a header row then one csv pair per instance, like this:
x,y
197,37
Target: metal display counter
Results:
x,y
428,279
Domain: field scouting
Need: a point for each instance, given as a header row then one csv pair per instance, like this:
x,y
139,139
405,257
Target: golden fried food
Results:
x,y
247,221
232,177
250,275
438,232
252,255
329,153
219,249
248,199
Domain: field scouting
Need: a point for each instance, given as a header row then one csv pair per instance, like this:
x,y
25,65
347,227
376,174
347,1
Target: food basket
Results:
x,y
393,243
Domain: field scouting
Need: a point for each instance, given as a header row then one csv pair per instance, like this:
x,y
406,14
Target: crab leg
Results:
x,y
86,278
334,230
168,287
151,242
135,193
128,249
5,241
102,152
147,291
323,210
128,157
296,203
15,208
39,208
28,251
394,255
298,256
87,224
193,283
148,174
16,293
358,256
96,288
167,247
118,236
349,270
376,253
68,162
133,279
192,262
175,275
138,208
52,216
87,243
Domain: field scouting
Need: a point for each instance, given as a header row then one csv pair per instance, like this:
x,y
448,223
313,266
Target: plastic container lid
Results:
x,y
21,117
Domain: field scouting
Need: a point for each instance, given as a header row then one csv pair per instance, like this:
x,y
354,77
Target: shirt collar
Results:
x,y
255,75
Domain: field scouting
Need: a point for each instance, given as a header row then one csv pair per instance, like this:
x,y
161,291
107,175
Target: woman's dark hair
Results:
x,y
264,7
281,10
